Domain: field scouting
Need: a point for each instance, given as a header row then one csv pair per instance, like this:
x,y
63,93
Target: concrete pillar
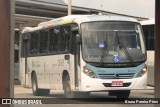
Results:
x,y
11,45
6,48
157,51
69,7
20,38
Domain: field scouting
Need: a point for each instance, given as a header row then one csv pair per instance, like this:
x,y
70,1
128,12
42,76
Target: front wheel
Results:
x,y
67,89
36,91
120,93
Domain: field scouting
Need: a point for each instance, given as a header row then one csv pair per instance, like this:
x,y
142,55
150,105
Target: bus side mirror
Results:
x,y
78,39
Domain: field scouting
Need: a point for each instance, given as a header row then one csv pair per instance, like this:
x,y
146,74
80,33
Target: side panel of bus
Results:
x,y
49,64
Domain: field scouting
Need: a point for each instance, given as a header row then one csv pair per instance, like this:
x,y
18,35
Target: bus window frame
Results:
x,y
71,47
128,64
25,41
39,44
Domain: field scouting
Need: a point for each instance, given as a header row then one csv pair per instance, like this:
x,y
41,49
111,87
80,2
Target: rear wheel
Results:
x,y
120,93
36,91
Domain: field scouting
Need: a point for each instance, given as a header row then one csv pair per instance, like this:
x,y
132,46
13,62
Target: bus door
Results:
x,y
77,65
76,48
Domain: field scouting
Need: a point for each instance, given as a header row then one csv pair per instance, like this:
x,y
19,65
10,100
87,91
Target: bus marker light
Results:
x,y
85,69
143,71
88,72
50,25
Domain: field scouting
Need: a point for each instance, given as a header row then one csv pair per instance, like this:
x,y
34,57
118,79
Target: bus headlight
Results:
x,y
89,72
143,71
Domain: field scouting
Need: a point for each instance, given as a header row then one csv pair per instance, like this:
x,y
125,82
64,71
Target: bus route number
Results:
x,y
60,62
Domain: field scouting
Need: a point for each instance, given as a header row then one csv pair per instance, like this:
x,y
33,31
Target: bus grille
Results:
x,y
110,85
116,76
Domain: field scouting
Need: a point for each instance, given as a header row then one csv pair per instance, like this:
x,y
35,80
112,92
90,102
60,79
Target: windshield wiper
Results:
x,y
103,53
125,50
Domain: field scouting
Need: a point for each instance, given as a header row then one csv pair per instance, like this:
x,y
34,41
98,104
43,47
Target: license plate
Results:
x,y
117,83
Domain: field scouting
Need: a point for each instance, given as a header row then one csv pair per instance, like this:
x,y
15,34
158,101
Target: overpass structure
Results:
x,y
32,12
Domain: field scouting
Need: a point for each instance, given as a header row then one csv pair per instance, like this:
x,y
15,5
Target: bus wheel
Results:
x,y
120,93
36,91
67,88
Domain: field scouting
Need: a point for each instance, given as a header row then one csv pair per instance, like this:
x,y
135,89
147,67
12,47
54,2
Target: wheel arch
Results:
x,y
33,72
64,74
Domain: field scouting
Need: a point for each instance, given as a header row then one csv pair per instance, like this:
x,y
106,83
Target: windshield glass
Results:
x,y
112,42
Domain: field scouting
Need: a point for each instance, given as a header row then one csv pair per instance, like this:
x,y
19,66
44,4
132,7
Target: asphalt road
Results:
x,y
95,99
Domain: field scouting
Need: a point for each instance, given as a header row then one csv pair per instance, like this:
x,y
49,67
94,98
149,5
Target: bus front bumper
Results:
x,y
94,84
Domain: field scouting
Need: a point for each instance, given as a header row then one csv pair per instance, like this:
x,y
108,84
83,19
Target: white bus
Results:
x,y
84,53
148,29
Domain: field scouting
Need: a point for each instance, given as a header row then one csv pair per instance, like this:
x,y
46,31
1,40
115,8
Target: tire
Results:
x,y
120,93
36,91
67,89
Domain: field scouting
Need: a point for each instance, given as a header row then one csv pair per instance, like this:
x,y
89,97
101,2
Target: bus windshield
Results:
x,y
112,42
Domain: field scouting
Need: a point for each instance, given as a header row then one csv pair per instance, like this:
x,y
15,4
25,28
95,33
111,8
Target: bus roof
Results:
x,y
103,18
148,22
77,19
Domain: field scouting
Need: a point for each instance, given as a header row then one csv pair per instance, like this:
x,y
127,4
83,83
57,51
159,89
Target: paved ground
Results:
x,y
21,92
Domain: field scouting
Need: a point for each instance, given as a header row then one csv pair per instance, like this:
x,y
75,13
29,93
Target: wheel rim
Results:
x,y
34,85
68,88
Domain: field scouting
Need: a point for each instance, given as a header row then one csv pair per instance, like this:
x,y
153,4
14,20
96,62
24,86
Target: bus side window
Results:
x,y
61,39
25,45
53,40
34,43
72,42
67,32
43,42
64,38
